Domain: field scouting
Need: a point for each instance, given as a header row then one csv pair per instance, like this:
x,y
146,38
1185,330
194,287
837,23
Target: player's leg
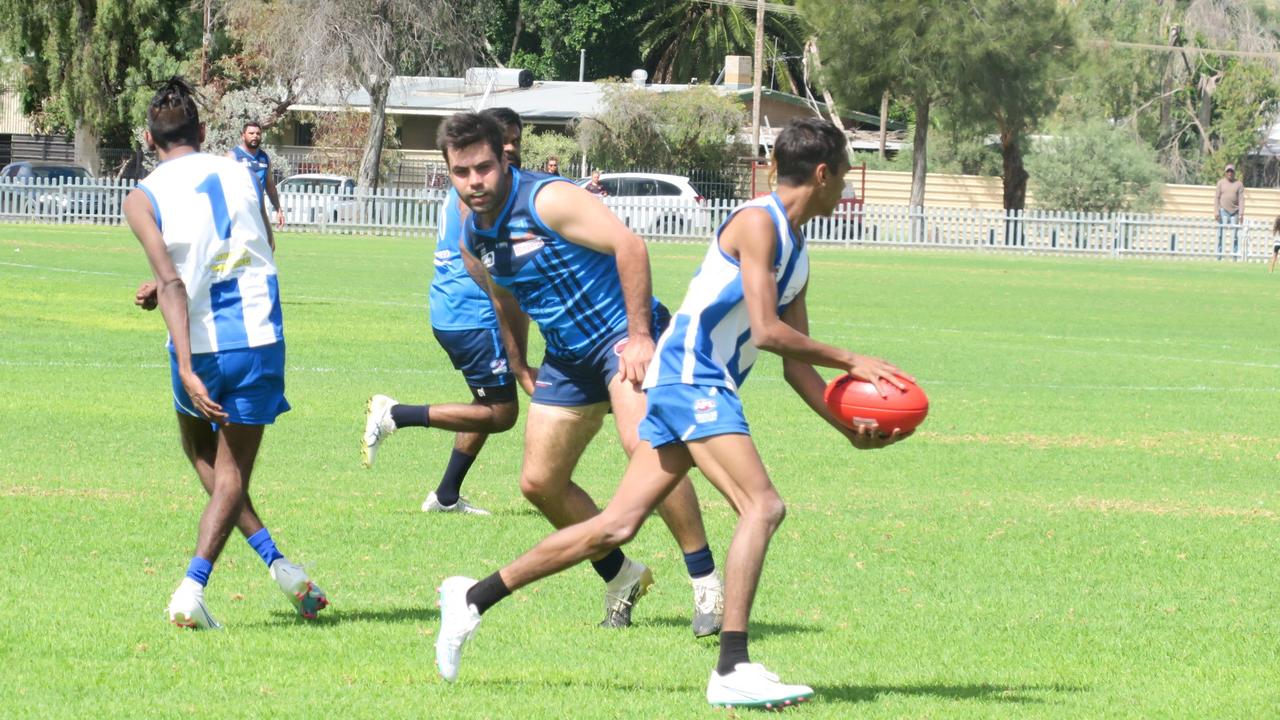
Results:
x,y
1275,253
731,463
200,443
650,475
681,514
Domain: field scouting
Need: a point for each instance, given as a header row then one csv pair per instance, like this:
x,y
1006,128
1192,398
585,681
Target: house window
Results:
x,y
304,134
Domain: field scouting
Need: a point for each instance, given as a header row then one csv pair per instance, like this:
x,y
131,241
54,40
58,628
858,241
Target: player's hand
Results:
x,y
634,359
146,297
199,395
867,436
528,379
877,371
279,218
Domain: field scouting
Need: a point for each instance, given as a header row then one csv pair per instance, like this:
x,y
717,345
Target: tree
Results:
x,y
88,67
1011,79
348,44
684,39
1095,167
546,36
538,147
908,47
681,129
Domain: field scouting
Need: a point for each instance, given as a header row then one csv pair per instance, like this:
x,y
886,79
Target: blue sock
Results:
x,y
199,570
610,565
262,543
700,563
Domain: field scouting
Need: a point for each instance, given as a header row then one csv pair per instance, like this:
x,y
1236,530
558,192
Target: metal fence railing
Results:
x,y
417,212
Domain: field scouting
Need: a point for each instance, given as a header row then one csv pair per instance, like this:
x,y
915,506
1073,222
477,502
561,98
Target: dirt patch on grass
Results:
x,y
45,492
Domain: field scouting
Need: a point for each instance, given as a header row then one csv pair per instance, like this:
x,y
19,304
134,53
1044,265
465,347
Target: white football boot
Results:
x,y
307,597
377,426
187,608
708,605
751,685
458,620
432,504
622,592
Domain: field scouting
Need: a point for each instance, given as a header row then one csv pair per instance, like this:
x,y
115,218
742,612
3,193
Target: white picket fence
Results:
x,y
417,213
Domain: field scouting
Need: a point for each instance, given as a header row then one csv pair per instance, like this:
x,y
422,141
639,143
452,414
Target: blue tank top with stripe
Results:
x,y
572,292
456,301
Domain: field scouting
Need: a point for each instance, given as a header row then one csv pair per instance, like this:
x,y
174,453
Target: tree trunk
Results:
x,y
372,156
884,121
919,158
87,146
1015,175
812,47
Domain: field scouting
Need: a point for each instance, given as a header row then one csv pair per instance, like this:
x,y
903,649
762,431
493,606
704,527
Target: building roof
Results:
x,y
545,102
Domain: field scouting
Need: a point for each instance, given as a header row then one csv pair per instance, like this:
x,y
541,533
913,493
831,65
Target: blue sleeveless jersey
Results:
x,y
456,301
258,163
571,291
709,340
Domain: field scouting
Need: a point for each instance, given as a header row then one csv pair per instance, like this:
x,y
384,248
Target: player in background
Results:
x,y
1275,245
463,322
201,221
748,295
250,154
544,246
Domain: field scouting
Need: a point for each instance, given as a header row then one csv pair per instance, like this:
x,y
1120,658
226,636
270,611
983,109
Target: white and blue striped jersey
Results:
x,y
709,340
209,213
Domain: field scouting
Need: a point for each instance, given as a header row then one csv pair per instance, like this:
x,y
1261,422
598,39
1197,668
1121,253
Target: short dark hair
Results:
x,y
465,129
804,145
251,123
172,116
506,117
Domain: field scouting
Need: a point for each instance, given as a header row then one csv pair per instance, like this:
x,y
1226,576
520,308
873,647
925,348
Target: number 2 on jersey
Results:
x,y
212,187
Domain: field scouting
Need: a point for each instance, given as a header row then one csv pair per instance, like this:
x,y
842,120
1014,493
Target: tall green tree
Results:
x,y
684,39
1011,80
546,36
909,47
87,67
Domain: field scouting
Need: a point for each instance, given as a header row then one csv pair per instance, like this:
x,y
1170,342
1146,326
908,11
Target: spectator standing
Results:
x,y
1228,207
594,187
553,165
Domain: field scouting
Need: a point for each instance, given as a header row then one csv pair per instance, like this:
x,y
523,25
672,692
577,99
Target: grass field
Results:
x,y
1086,526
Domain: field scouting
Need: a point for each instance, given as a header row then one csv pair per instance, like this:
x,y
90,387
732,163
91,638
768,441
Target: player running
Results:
x,y
545,246
463,322
202,223
748,295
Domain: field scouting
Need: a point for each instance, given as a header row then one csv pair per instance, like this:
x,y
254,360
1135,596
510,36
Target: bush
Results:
x,y
535,148
1094,167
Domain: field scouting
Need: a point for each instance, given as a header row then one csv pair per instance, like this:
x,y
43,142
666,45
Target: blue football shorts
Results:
x,y
585,381
680,413
482,359
248,383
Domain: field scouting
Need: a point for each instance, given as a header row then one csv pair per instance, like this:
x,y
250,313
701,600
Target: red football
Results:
x,y
854,400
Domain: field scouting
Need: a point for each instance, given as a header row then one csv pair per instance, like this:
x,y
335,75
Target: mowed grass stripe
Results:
x,y
1085,526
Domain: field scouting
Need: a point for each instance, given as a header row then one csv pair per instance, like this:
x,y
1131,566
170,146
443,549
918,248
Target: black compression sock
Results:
x,y
454,474
733,650
610,565
486,593
411,415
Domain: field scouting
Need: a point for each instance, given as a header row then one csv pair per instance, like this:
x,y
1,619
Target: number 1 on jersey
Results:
x,y
212,187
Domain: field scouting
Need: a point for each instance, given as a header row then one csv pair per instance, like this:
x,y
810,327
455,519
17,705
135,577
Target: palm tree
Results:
x,y
684,39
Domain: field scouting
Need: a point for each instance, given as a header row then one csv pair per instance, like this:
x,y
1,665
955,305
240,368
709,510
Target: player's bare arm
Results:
x,y
274,195
581,218
513,323
749,237
809,385
171,296
266,223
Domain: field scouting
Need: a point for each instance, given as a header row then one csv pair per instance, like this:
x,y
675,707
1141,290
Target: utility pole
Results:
x,y
204,43
758,69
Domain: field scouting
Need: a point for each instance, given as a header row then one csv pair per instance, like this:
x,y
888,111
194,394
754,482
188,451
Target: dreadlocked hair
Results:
x,y
172,117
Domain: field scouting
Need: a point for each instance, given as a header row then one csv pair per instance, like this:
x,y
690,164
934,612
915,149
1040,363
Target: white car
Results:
x,y
654,203
316,198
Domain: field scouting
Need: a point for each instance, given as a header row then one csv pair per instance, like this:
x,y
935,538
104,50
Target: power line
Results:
x,y
1178,49
772,7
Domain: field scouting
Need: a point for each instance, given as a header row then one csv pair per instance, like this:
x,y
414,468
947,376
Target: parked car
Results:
x,y
68,198
681,209
312,198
